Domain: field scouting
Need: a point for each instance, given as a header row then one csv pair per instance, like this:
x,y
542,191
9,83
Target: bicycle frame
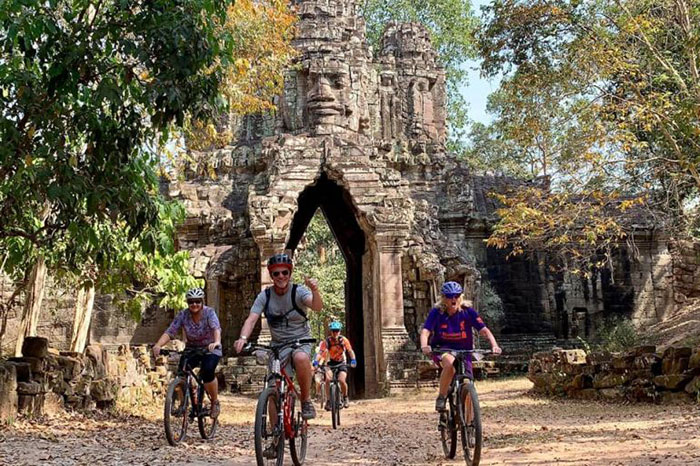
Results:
x,y
283,383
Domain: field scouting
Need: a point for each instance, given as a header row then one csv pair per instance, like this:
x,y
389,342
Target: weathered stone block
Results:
x,y
104,390
22,369
37,347
694,361
8,392
693,386
608,380
675,397
70,366
672,382
612,393
28,388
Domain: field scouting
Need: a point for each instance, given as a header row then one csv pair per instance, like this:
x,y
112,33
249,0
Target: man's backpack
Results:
x,y
277,320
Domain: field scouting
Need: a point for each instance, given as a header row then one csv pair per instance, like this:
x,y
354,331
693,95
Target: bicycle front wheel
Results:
x,y
269,431
470,425
297,444
335,405
448,433
207,424
175,414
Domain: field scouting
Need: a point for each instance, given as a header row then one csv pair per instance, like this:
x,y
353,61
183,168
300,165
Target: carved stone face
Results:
x,y
328,100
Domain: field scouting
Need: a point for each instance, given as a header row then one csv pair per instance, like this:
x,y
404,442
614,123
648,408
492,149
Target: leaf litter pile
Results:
x,y
519,429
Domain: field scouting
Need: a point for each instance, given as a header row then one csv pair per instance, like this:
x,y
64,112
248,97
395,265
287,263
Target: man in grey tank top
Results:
x,y
287,321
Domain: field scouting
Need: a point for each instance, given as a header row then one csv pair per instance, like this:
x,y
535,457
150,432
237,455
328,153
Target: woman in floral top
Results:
x,y
202,330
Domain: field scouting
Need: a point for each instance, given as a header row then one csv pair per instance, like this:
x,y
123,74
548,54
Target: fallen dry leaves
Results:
x,y
519,429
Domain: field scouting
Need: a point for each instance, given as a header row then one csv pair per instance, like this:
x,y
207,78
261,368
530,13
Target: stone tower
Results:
x,y
363,139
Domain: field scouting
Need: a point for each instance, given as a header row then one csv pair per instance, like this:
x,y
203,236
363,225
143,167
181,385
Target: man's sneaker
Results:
x,y
270,452
307,410
345,402
327,407
215,409
440,403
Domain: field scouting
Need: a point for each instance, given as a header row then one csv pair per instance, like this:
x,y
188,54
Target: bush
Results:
x,y
616,333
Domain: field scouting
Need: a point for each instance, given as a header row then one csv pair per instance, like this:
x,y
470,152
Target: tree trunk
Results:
x,y
83,315
32,306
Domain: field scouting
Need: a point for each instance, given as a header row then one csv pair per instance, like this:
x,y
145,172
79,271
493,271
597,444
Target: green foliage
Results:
x,y
90,90
600,97
491,306
451,24
318,256
615,334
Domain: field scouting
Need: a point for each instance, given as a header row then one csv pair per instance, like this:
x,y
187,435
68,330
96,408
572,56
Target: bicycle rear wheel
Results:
x,y
298,443
470,425
207,424
269,431
335,405
175,415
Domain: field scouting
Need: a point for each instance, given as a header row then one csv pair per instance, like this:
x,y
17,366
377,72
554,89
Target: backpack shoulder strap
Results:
x,y
267,300
294,302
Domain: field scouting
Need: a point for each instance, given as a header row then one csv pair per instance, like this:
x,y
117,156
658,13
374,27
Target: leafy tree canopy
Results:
x,y
90,90
318,256
602,97
452,25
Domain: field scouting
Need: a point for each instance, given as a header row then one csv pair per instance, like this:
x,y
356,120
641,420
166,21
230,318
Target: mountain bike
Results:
x,y
277,416
336,396
463,413
319,373
185,389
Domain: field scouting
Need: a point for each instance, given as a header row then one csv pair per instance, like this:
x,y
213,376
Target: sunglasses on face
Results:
x,y
277,273
199,301
335,331
452,296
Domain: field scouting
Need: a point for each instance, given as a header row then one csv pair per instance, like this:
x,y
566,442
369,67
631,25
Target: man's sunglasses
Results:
x,y
277,273
452,295
196,301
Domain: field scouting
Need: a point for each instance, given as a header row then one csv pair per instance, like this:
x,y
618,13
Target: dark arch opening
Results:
x,y
336,206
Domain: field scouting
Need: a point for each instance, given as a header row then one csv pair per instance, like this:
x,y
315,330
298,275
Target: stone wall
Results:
x,y
686,270
640,374
45,380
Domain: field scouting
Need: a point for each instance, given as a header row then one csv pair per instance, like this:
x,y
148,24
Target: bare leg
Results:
x,y
212,389
329,377
342,377
448,371
302,365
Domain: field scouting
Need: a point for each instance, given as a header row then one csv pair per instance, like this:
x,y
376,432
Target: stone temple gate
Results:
x,y
360,137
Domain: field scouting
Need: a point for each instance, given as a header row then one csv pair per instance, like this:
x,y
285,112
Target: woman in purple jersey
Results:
x,y
450,323
202,330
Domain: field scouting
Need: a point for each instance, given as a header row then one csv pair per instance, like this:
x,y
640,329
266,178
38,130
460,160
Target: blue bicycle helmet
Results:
x,y
451,288
335,325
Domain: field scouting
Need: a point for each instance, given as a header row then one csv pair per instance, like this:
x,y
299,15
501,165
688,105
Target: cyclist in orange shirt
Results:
x,y
332,351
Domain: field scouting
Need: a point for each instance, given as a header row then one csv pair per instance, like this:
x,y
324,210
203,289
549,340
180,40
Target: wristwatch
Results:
x,y
243,337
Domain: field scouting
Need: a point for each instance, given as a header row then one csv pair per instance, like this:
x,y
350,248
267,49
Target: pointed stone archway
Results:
x,y
336,206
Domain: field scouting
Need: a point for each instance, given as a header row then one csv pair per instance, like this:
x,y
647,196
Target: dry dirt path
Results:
x,y
519,430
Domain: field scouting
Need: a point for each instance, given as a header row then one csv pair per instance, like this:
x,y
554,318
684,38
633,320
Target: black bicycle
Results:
x,y
184,390
463,413
277,415
336,396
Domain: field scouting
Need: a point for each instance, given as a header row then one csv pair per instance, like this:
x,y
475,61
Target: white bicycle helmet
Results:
x,y
195,293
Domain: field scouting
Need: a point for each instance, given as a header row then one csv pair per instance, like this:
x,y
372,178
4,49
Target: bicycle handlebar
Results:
x,y
191,351
249,347
438,350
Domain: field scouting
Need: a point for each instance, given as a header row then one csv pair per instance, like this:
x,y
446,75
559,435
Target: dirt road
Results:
x,y
519,430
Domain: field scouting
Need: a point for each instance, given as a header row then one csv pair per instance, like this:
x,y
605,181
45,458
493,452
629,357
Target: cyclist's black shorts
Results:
x,y
342,367
207,365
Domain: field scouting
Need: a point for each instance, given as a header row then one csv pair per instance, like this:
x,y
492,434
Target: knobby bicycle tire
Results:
x,y
448,432
298,443
335,405
175,415
265,433
470,426
207,424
